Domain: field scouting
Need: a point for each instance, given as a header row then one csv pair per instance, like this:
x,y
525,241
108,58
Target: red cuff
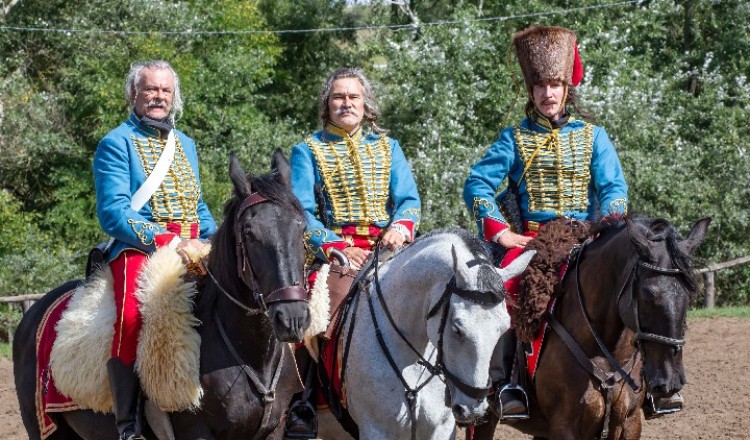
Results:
x,y
409,225
162,240
491,227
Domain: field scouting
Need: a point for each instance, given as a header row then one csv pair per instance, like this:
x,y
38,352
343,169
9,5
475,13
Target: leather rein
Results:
x,y
608,380
437,369
245,270
245,273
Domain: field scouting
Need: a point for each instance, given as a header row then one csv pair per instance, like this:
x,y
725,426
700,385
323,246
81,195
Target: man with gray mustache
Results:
x,y
171,211
356,188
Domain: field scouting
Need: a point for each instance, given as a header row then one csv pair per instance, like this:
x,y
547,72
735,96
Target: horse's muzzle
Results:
x,y
290,319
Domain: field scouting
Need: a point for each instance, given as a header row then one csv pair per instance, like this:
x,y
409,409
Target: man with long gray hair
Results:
x,y
356,188
148,195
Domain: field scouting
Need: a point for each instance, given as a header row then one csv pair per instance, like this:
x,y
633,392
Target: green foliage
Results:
x,y
666,79
10,315
720,312
6,351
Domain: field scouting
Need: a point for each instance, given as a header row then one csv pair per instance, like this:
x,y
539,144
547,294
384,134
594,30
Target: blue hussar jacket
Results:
x,y
121,163
362,180
572,171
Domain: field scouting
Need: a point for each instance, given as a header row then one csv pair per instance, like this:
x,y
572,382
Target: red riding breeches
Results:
x,y
125,271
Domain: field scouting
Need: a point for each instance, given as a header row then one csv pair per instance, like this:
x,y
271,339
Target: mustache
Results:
x,y
156,103
342,111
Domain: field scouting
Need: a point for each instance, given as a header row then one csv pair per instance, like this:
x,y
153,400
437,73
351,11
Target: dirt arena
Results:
x,y
717,395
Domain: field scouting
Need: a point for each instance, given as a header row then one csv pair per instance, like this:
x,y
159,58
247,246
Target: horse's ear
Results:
x,y
238,176
460,281
639,237
696,236
517,266
282,168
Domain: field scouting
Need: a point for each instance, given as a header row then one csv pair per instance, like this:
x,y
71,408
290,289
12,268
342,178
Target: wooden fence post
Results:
x,y
708,301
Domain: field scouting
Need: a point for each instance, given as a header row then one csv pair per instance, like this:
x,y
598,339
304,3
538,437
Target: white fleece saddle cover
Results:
x,y
168,352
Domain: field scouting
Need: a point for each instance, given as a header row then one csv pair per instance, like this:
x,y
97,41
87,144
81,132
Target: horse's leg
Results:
x,y
486,431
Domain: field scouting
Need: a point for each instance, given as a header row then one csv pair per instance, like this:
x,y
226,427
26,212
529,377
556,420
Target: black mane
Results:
x,y
659,230
223,242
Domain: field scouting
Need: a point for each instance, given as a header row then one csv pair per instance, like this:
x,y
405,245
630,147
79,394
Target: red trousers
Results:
x,y
125,271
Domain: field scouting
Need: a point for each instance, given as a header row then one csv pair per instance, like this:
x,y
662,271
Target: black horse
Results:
x,y
617,332
253,298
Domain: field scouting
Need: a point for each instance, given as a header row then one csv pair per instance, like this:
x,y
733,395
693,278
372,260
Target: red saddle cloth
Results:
x,y
330,361
48,398
535,351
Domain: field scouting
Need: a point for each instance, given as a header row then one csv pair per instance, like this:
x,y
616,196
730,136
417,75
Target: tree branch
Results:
x,y
6,8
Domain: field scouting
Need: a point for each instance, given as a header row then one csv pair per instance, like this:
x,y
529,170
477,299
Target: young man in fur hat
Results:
x,y
561,166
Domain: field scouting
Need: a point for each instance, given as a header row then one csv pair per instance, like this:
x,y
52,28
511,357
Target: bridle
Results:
x,y
287,293
608,380
245,270
627,314
439,368
640,335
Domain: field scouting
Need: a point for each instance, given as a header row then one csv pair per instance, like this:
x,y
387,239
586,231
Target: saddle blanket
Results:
x,y
48,398
533,350
74,341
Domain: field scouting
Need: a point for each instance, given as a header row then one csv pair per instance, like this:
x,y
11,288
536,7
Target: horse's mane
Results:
x,y
268,185
487,278
476,246
658,229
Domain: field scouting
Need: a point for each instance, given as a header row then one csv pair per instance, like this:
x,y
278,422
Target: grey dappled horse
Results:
x,y
448,301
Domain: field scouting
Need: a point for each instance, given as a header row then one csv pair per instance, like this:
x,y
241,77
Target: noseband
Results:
x,y
639,333
439,368
605,379
245,270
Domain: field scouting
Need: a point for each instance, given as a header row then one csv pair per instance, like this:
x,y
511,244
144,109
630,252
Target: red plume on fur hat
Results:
x,y
548,54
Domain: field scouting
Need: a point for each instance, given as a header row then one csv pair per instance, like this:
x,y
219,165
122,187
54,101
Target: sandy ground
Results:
x,y
717,395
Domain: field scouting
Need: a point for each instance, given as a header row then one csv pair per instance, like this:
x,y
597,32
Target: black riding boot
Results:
x,y
301,419
126,389
508,401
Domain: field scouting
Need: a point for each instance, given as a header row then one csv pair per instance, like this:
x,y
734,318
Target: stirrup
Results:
x,y
303,407
517,392
653,408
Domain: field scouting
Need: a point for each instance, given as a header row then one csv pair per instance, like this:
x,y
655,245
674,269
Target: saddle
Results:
x,y
168,346
542,278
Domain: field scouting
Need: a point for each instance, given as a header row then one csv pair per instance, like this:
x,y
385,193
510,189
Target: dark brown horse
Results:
x,y
626,298
254,298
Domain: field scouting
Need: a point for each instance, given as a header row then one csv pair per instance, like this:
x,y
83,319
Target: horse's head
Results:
x,y
655,307
267,233
466,321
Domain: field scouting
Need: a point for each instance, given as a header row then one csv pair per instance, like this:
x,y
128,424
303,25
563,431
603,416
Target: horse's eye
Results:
x,y
458,329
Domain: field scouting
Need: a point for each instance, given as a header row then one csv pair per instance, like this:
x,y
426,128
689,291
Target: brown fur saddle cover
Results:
x,y
168,352
543,275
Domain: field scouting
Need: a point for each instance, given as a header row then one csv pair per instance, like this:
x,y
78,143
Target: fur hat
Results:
x,y
548,53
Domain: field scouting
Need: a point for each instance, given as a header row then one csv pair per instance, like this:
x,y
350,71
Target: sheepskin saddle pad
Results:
x,y
168,352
